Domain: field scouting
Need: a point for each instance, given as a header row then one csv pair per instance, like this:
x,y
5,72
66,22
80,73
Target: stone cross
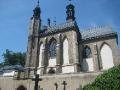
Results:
x,y
64,84
36,79
56,85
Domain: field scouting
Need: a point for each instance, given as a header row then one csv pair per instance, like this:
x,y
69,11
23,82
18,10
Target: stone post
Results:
x,y
76,57
96,58
43,61
58,58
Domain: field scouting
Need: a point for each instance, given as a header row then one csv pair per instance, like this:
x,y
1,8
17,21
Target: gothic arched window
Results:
x,y
106,56
88,64
52,48
87,52
65,52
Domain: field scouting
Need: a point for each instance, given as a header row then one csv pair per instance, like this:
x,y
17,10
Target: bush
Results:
x,y
109,80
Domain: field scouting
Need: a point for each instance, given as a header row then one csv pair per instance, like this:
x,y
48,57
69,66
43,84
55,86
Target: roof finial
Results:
x,y
70,1
55,21
38,3
49,22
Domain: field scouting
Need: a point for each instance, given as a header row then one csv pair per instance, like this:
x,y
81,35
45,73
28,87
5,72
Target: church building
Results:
x,y
63,56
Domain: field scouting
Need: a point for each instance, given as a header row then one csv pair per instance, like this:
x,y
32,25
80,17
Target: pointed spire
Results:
x,y
37,11
70,1
49,22
38,2
55,21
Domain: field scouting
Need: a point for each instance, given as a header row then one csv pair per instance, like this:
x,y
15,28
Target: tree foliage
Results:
x,y
109,80
13,58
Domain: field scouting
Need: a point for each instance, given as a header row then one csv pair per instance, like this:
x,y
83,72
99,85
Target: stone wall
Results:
x,y
73,82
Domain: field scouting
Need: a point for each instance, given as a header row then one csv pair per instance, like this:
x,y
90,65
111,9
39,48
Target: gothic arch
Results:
x,y
52,47
65,51
104,44
88,64
64,37
21,87
52,51
106,56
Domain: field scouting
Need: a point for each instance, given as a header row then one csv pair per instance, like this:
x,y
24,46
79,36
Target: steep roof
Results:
x,y
97,32
87,34
58,28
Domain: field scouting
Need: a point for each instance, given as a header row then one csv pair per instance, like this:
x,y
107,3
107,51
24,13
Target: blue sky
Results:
x,y
15,17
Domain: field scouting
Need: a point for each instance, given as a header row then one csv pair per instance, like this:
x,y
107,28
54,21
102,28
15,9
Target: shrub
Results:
x,y
109,80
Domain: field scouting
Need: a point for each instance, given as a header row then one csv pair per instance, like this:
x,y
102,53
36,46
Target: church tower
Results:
x,y
33,40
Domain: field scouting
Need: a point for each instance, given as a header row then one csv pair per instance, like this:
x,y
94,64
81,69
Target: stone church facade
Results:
x,y
65,57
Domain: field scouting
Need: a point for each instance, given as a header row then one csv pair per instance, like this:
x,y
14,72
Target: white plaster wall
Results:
x,y
52,61
65,52
107,57
88,64
9,73
68,69
40,55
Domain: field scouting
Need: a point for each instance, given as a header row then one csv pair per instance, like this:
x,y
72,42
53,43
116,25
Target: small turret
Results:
x,y
37,11
70,12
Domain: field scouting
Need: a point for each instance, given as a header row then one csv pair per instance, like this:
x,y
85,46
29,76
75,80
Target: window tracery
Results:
x,y
87,52
52,49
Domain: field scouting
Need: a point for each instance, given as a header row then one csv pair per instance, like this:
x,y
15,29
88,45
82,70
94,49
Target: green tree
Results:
x,y
13,58
109,80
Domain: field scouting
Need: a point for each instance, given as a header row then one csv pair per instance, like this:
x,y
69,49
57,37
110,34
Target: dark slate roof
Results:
x,y
62,26
58,28
88,34
97,32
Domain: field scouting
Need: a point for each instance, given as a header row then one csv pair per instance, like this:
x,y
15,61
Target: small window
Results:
x,y
87,52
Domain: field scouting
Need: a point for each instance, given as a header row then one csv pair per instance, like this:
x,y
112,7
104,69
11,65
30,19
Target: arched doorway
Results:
x,y
21,88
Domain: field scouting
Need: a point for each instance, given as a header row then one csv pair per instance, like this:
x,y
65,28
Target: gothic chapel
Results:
x,y
65,49
63,56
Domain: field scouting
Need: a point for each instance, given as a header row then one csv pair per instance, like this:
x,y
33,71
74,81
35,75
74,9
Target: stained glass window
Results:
x,y
52,49
87,52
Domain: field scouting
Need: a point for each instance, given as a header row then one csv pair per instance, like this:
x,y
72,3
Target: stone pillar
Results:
x,y
76,63
43,61
96,58
58,58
